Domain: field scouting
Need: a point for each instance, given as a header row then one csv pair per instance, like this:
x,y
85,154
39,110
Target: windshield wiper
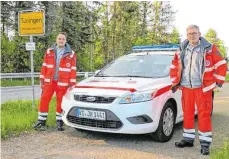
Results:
x,y
138,76
101,75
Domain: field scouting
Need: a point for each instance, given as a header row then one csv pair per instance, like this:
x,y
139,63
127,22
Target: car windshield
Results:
x,y
143,66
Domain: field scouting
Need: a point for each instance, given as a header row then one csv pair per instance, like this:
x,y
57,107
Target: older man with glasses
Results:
x,y
197,68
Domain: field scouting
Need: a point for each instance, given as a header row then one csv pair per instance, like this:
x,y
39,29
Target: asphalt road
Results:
x,y
19,93
72,144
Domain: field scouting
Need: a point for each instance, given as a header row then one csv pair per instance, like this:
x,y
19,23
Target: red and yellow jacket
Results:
x,y
66,71
214,66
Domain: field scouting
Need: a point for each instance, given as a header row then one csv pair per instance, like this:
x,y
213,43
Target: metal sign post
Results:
x,y
32,72
31,23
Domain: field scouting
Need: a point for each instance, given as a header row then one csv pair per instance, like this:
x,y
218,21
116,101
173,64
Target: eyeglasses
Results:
x,y
194,33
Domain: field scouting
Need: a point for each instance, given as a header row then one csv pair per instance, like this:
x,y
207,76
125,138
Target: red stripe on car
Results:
x,y
161,91
111,88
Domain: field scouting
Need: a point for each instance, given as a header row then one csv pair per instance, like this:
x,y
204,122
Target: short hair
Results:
x,y
192,26
63,33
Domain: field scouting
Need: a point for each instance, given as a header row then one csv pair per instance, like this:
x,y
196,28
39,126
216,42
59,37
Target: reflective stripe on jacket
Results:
x,y
66,71
214,66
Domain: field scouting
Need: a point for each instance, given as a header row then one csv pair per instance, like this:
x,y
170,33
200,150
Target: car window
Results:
x,y
148,65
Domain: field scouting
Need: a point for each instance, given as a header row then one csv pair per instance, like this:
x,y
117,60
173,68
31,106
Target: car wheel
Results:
x,y
166,125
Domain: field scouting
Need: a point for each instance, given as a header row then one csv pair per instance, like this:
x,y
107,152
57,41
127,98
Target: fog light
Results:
x,y
141,119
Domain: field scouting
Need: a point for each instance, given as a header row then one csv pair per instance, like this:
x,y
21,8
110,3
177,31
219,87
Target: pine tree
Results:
x,y
7,16
162,19
75,23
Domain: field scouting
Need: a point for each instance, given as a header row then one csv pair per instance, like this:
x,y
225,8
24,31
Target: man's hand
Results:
x,y
70,87
218,87
174,88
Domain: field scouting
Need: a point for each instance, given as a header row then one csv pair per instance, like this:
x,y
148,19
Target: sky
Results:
x,y
204,13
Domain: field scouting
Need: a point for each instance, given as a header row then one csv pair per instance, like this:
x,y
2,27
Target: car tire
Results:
x,y
161,134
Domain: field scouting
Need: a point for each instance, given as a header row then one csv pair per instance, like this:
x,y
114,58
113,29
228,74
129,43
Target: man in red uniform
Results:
x,y
58,72
197,68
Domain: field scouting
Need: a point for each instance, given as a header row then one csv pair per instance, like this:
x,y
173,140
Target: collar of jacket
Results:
x,y
67,49
205,46
203,43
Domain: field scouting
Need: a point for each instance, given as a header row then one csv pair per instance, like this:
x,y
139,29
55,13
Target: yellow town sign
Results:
x,y
31,22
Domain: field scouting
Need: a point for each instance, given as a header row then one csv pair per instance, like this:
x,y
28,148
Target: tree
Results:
x,y
7,16
76,20
97,31
175,37
145,10
162,19
52,23
127,27
7,50
79,22
212,37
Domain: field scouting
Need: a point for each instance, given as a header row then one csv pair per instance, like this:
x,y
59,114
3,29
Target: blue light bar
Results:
x,y
156,47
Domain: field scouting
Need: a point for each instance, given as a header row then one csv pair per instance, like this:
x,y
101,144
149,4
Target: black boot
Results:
x,y
59,125
183,143
40,125
204,150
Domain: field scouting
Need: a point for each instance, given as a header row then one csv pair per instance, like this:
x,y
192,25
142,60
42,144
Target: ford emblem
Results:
x,y
91,99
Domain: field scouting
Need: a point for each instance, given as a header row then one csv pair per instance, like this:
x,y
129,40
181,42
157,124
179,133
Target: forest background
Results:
x,y
98,32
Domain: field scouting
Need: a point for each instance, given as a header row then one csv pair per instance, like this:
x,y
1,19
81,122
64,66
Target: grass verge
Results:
x,y
24,82
222,153
227,78
19,116
18,82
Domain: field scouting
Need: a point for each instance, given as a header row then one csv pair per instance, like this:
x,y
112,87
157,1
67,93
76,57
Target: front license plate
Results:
x,y
91,114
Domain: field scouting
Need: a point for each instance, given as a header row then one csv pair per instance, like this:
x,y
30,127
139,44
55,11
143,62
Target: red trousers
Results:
x,y
203,101
47,92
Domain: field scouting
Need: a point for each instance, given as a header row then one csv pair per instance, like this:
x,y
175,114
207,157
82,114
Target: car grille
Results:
x,y
95,123
98,99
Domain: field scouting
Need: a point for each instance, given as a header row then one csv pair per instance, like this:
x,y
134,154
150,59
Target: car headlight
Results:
x,y
137,97
68,95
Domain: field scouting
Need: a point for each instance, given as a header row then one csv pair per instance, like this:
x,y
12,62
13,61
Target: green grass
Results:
x,y
18,82
222,153
24,82
19,116
227,78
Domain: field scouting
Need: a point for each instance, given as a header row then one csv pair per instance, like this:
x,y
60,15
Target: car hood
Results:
x,y
117,86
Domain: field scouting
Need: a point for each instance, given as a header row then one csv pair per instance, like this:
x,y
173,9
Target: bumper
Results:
x,y
122,111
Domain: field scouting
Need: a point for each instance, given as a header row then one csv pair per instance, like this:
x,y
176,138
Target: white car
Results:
x,y
131,95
